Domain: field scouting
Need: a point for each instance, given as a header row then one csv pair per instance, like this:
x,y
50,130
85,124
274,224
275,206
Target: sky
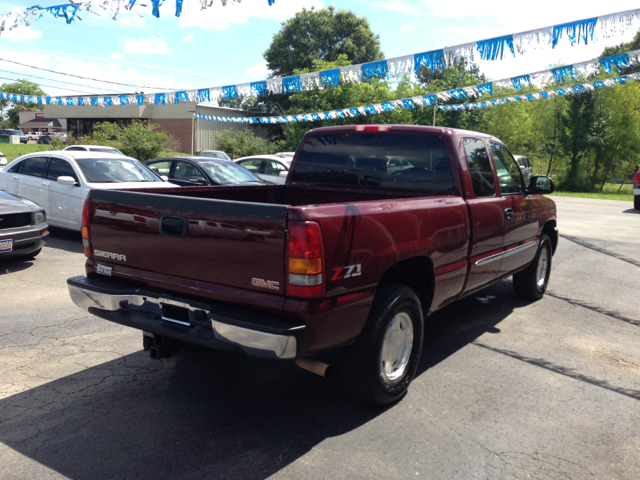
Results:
x,y
222,46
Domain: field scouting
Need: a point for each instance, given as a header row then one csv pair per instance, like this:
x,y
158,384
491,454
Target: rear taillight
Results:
x,y
305,260
373,128
85,228
636,179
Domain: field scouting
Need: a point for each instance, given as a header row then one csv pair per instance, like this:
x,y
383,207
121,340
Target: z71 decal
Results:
x,y
347,272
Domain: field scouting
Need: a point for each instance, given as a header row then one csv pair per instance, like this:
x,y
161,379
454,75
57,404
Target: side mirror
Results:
x,y
283,174
164,177
541,185
199,180
67,181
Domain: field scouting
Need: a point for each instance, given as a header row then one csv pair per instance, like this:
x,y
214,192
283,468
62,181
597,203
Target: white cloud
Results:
x,y
406,28
116,56
132,20
397,6
259,72
218,17
188,38
146,46
21,34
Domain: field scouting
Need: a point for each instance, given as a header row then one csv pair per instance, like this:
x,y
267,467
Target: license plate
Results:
x,y
6,246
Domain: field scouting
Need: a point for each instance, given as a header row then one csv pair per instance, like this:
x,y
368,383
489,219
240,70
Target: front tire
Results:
x,y
532,282
379,367
636,202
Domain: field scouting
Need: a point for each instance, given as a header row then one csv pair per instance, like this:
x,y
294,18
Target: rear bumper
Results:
x,y
217,326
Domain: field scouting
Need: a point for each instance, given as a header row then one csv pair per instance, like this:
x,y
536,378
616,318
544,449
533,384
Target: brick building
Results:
x,y
176,120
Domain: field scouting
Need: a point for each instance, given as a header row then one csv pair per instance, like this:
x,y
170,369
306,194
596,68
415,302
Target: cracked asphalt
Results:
x,y
506,389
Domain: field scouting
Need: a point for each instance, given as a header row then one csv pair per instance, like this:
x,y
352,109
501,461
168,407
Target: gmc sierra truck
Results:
x,y
376,227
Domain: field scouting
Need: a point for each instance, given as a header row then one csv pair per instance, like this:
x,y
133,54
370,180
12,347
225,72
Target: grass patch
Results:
x,y
14,151
611,191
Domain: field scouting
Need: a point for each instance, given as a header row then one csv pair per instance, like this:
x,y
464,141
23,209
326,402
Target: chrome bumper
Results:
x,y
254,339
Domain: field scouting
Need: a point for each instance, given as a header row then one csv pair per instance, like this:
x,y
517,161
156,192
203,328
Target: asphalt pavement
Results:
x,y
506,388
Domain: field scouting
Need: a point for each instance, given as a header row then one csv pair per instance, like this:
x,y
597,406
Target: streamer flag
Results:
x,y
495,49
19,16
329,78
426,101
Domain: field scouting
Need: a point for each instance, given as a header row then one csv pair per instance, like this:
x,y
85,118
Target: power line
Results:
x,y
85,78
51,80
50,86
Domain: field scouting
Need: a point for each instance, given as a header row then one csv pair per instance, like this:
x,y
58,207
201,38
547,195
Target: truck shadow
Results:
x,y
206,415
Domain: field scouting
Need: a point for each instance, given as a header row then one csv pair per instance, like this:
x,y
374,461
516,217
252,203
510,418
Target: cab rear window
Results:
x,y
388,160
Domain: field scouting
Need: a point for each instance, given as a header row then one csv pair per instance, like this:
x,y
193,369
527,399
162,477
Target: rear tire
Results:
x,y
379,367
531,283
636,202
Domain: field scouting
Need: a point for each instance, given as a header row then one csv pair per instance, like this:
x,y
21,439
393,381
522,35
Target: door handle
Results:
x,y
17,178
45,184
174,226
508,213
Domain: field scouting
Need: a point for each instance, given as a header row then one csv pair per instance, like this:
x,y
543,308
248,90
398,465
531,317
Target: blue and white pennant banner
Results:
x,y
558,75
426,101
19,16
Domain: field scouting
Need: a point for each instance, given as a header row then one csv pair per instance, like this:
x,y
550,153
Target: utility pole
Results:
x,y
193,130
435,109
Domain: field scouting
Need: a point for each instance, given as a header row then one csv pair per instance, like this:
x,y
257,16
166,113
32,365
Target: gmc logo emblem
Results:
x,y
270,284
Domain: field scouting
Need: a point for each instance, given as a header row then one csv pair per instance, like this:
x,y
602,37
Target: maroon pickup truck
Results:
x,y
376,227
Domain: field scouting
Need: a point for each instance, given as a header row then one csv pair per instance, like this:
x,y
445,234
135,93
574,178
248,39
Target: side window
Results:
x,y
60,168
252,165
185,172
479,167
273,168
35,167
15,168
74,149
507,168
161,168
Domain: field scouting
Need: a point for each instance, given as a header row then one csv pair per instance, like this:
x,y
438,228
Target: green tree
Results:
x,y
241,143
321,35
342,97
584,128
10,109
460,74
138,140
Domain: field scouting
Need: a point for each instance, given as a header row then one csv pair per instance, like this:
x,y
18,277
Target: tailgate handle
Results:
x,y
174,226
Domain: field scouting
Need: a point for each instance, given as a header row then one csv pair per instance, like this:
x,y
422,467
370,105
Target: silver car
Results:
x,y
525,167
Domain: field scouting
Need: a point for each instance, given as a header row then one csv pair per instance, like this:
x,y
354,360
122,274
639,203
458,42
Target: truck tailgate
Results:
x,y
236,244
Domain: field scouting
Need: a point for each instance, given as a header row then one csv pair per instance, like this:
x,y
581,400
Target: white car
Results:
x,y
59,181
272,168
93,148
215,154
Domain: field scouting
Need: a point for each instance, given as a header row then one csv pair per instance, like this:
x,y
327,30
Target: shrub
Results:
x,y
241,143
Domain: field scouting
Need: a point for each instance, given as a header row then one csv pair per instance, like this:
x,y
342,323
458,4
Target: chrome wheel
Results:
x,y
543,266
396,347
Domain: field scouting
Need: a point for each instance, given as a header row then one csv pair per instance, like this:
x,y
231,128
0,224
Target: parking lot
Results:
x,y
506,389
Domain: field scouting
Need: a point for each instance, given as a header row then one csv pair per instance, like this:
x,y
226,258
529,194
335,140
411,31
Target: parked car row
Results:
x,y
50,188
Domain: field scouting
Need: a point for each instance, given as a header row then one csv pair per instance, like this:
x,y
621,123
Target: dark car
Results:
x,y
23,227
45,139
191,171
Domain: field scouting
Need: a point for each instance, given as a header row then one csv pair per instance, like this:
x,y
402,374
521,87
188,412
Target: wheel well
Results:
x,y
550,229
417,273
